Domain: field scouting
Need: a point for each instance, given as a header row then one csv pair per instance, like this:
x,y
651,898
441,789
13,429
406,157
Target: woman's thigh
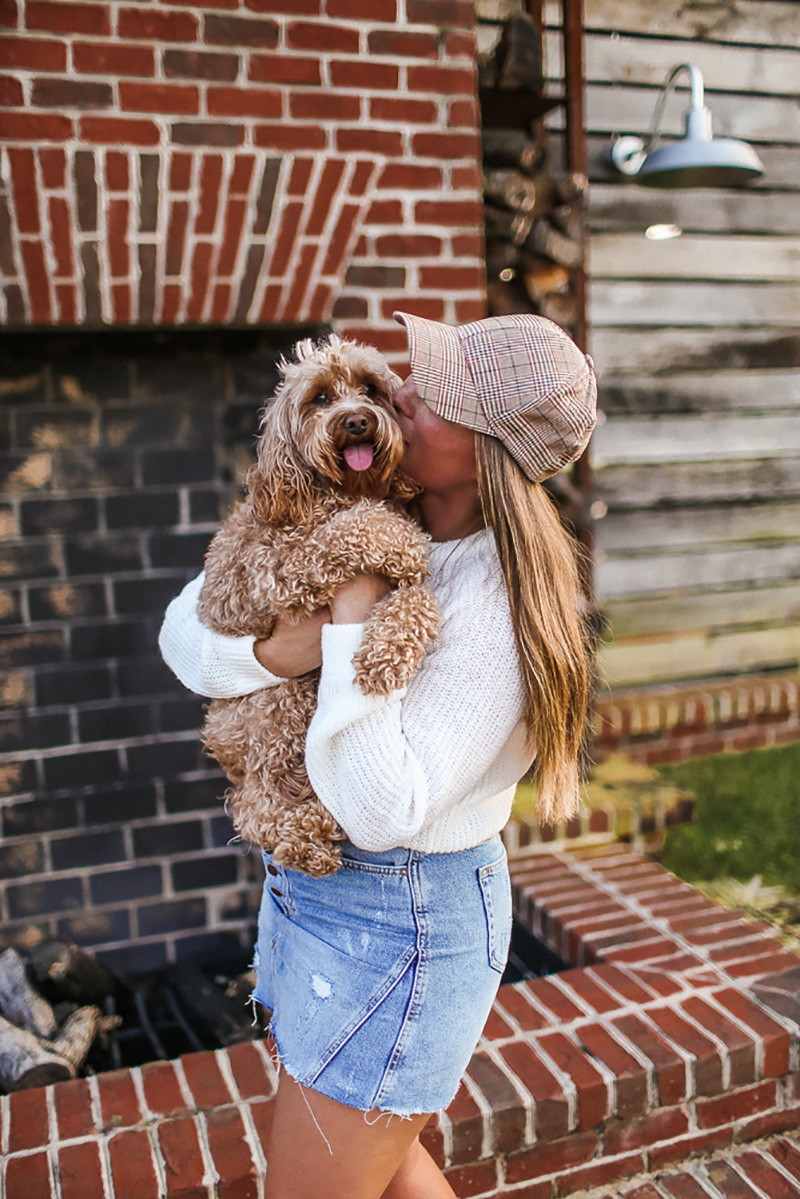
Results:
x,y
318,1146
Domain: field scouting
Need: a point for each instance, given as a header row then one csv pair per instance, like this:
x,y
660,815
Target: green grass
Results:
x,y
747,817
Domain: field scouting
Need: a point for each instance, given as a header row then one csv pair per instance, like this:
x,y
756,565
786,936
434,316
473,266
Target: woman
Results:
x,y
382,975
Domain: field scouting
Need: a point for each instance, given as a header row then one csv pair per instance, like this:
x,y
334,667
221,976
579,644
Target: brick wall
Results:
x,y
122,453
239,161
239,164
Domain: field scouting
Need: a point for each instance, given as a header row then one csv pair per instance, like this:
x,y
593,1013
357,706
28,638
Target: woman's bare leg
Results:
x,y
418,1177
363,1157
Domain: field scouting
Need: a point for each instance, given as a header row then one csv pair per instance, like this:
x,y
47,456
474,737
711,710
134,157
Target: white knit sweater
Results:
x,y
434,765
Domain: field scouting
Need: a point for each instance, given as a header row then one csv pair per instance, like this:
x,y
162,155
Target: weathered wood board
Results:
x,y
692,527
703,393
638,486
664,351
695,438
712,611
625,303
628,663
703,567
695,256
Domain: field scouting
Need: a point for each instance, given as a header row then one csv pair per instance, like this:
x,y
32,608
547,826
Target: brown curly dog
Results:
x,y
325,503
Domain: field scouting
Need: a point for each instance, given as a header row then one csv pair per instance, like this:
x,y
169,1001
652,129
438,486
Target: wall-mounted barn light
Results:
x,y
697,160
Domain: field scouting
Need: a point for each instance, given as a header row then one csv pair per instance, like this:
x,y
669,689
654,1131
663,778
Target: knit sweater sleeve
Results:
x,y
387,766
206,662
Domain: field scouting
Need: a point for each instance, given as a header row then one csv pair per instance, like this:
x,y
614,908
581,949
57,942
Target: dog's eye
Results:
x,y
321,398
370,390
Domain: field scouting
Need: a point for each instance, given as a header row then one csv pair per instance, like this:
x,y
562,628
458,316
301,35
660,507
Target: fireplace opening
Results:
x,y
529,957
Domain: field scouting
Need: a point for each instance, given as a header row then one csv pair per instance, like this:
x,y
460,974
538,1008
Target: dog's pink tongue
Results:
x,y
359,457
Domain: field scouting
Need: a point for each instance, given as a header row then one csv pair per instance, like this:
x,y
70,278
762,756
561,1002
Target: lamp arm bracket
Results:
x,y
697,99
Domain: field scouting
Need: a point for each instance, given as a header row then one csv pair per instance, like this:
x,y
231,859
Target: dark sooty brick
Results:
x,y
55,428
39,816
28,560
195,874
163,759
163,467
120,886
120,805
20,858
206,506
17,777
171,916
219,947
120,639
10,605
135,596
84,769
93,378
221,830
34,732
135,959
162,839
147,675
102,555
72,684
192,795
31,649
40,898
94,470
67,601
181,715
58,516
91,926
170,550
154,425
115,722
87,849
172,379
144,510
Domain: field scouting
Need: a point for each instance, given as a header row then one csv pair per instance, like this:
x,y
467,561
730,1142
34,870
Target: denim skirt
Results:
x,y
380,977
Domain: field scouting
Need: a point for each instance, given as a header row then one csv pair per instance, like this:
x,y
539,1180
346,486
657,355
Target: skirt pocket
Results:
x,y
495,887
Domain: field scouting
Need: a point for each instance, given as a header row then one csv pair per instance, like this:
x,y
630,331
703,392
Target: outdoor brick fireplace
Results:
x,y
185,189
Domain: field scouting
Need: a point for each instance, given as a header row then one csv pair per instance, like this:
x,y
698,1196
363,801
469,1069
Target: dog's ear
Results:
x,y
403,488
280,485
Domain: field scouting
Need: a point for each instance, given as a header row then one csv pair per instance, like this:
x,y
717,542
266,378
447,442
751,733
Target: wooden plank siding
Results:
x,y
697,345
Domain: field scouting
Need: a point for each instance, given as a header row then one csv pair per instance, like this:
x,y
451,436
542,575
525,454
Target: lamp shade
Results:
x,y
697,160
700,160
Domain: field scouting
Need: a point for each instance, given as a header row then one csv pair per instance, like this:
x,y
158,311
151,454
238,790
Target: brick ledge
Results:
x,y
676,1034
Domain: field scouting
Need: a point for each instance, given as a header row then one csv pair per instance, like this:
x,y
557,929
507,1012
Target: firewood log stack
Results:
x,y
40,1045
533,216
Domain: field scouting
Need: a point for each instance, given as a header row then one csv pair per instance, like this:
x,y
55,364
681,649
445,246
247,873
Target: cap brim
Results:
x,y
440,371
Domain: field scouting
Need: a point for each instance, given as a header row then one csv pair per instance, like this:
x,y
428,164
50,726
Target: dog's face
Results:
x,y
330,426
337,399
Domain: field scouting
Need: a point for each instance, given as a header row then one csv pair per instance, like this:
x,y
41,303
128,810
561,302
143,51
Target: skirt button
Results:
x,y
272,869
275,891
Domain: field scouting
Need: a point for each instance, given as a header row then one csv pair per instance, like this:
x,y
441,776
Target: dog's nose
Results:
x,y
356,424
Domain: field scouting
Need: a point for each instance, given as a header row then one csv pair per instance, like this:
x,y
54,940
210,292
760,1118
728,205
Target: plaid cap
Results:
x,y
520,378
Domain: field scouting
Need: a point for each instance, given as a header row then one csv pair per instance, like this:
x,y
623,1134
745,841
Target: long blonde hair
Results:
x,y
540,569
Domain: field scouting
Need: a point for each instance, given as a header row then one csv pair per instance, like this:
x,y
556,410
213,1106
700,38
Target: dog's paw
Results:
x,y
396,636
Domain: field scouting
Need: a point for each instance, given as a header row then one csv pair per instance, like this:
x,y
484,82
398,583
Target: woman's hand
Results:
x,y
293,649
355,600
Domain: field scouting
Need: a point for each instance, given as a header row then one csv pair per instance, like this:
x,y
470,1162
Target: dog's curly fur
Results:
x,y
309,523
